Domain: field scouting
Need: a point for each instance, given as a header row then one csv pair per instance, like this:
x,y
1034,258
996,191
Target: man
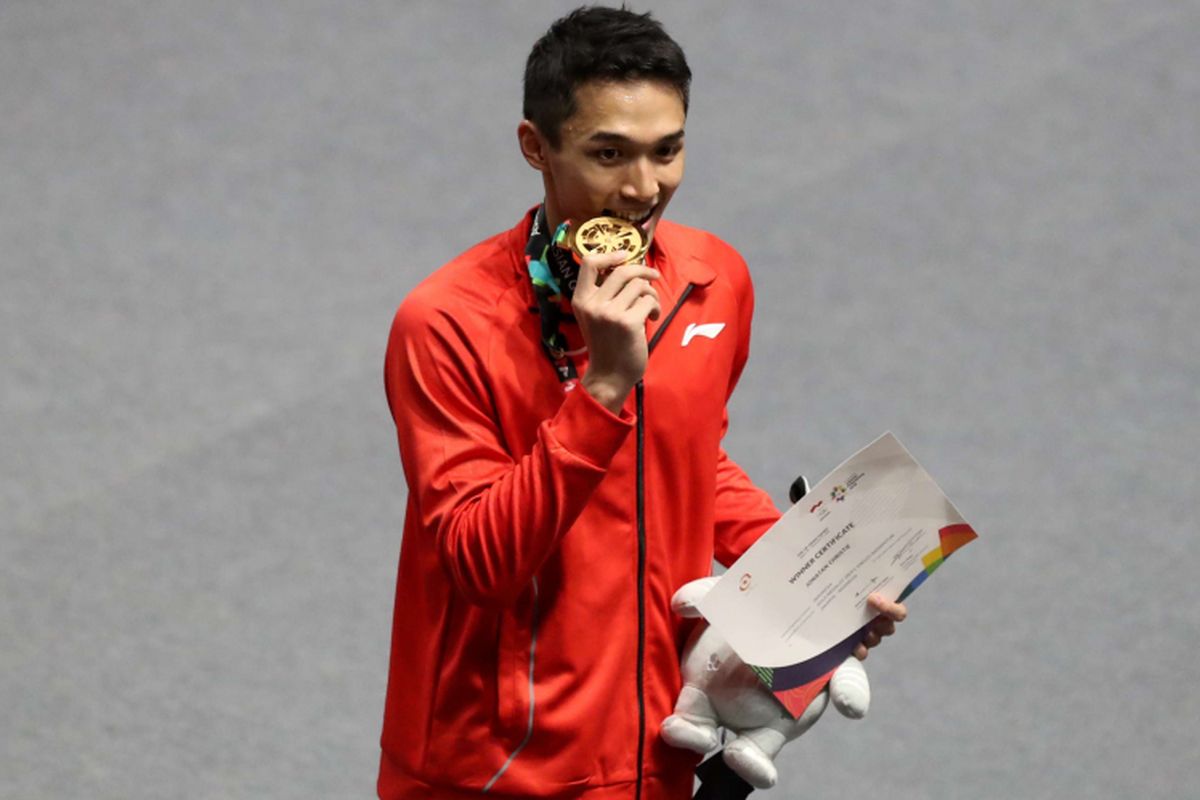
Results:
x,y
560,427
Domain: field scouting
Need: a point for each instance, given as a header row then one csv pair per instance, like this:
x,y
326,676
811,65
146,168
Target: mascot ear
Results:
x,y
684,601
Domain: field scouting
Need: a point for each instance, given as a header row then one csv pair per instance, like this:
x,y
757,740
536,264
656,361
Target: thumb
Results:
x,y
592,267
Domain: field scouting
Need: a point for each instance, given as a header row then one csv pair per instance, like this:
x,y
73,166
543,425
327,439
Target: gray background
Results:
x,y
973,224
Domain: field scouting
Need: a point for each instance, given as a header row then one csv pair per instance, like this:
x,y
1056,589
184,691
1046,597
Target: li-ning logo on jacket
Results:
x,y
708,330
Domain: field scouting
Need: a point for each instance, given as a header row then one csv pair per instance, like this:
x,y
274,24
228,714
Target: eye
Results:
x,y
607,154
668,151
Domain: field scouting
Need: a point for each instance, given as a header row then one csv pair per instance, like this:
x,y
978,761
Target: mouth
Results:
x,y
639,218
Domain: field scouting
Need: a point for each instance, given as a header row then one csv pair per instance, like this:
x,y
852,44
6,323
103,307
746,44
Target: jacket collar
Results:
x,y
673,256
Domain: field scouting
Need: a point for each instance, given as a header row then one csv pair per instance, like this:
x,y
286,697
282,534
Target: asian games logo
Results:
x,y
744,582
840,490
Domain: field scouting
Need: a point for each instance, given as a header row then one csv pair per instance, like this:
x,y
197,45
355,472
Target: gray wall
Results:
x,y
973,224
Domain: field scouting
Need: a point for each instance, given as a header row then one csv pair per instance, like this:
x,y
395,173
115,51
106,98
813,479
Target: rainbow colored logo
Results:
x,y
950,539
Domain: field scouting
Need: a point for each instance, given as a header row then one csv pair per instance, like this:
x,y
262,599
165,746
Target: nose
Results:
x,y
641,181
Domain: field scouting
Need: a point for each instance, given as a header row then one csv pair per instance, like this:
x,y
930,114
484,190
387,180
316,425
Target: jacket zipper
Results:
x,y
640,401
529,725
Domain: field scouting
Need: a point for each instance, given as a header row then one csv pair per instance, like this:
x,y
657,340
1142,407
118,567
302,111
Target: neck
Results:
x,y
553,218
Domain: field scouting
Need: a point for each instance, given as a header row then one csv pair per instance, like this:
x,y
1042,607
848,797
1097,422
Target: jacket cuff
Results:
x,y
588,430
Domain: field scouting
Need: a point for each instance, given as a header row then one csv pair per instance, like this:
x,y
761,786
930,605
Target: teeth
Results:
x,y
632,216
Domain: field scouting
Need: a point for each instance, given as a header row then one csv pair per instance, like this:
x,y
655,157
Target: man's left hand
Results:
x,y
883,625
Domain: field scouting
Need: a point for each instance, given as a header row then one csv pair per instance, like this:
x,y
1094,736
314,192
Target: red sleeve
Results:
x,y
743,512
493,516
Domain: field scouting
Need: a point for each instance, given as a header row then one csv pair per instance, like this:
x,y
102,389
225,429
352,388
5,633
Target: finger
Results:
x,y
887,608
593,266
647,307
633,291
871,639
620,278
603,261
861,653
884,627
897,612
635,305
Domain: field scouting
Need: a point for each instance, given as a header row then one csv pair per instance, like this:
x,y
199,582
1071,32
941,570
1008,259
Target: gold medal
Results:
x,y
608,235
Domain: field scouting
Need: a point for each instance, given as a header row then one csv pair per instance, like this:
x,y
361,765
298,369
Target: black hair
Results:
x,y
597,43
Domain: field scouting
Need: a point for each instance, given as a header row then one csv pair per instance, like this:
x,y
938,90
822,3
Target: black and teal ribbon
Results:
x,y
551,268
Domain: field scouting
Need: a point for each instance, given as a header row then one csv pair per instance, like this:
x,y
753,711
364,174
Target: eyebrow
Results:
x,y
620,138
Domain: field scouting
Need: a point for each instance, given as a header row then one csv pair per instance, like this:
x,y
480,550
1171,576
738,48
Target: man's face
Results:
x,y
621,154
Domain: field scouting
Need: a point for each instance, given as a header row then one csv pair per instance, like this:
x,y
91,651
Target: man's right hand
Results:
x,y
612,301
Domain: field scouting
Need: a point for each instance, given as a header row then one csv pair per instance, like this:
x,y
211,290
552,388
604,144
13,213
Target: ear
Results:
x,y
533,145
683,602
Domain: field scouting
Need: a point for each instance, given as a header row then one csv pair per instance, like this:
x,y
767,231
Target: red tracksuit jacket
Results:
x,y
534,652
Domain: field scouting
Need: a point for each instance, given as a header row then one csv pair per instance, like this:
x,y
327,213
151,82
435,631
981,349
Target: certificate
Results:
x,y
793,607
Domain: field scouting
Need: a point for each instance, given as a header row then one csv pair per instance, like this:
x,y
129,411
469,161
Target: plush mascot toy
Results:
x,y
720,690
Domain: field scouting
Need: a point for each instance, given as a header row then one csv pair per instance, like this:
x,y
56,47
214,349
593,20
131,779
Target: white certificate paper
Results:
x,y
794,605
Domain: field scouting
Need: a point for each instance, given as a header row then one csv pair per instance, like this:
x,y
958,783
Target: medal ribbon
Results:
x,y
551,268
